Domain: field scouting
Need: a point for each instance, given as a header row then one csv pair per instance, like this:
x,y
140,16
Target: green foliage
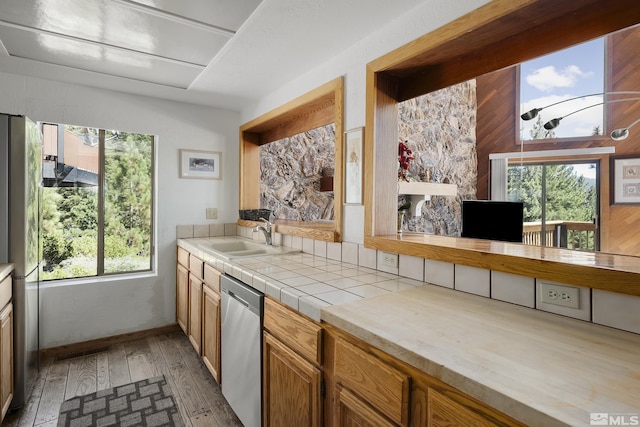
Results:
x,y
569,197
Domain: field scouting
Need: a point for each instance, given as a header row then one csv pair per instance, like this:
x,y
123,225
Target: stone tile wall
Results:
x,y
290,172
440,129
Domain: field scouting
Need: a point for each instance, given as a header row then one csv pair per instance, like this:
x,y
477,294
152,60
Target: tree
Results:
x,y
568,197
539,132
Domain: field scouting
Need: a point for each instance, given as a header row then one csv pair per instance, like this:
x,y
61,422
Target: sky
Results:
x,y
569,73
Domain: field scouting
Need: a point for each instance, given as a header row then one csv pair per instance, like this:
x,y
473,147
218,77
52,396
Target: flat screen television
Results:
x,y
492,220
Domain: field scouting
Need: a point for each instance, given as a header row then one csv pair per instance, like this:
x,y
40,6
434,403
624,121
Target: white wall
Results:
x,y
83,311
351,64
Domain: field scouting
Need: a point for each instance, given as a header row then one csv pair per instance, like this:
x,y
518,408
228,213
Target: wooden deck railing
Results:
x,y
565,234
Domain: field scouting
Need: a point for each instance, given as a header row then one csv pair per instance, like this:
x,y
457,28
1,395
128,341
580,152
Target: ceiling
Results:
x,y
221,53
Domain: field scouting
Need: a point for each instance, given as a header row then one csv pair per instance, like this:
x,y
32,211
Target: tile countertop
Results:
x,y
540,368
304,282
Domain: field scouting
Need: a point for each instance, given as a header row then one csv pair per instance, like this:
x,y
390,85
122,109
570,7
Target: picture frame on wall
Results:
x,y
353,166
625,180
200,164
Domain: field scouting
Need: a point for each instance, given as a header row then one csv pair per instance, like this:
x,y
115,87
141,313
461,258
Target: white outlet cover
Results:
x,y
387,262
582,313
560,295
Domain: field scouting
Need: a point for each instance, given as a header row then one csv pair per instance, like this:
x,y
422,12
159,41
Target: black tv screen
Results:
x,y
492,220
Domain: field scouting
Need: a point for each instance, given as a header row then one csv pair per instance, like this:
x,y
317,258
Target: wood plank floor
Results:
x,y
198,396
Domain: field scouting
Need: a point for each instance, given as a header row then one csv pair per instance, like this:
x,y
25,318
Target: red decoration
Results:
x,y
404,157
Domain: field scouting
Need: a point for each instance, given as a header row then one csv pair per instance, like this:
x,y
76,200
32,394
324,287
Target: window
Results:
x,y
560,202
97,202
575,72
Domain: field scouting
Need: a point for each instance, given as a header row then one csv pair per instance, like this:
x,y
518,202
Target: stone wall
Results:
x,y
440,130
290,172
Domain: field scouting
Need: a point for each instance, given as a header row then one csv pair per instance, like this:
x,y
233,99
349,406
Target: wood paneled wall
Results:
x,y
498,132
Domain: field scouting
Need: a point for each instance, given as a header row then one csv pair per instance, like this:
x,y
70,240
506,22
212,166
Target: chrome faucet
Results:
x,y
266,230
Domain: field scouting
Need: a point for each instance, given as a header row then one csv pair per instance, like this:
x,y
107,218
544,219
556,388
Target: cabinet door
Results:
x,y
292,394
444,412
6,357
353,412
195,312
211,331
182,297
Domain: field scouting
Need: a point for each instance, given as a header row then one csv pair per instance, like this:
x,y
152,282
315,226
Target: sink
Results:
x,y
242,248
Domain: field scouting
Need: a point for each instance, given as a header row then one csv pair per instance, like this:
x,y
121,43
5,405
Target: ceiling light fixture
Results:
x,y
533,113
553,123
622,133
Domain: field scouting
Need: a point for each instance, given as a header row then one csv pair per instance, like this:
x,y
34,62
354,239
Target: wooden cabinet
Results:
x,y
182,297
6,345
195,311
378,384
182,290
352,411
198,308
6,357
368,387
445,412
292,387
211,321
293,380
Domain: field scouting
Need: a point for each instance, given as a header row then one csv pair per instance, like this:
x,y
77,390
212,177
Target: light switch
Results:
x,y
212,213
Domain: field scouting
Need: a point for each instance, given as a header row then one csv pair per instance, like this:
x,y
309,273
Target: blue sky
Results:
x,y
572,72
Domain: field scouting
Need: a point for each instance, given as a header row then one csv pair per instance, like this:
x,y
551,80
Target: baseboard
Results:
x,y
69,350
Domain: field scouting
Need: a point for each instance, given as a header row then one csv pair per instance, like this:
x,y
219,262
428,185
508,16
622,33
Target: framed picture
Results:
x,y
200,164
353,166
625,180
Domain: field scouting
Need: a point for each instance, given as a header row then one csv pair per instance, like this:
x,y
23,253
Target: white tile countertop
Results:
x,y
540,368
304,282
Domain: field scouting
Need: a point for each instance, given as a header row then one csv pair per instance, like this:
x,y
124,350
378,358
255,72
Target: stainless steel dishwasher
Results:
x,y
241,342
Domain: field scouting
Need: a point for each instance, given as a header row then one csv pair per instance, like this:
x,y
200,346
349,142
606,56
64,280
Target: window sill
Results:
x,y
324,231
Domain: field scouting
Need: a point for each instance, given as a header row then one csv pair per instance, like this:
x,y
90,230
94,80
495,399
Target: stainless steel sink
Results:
x,y
242,248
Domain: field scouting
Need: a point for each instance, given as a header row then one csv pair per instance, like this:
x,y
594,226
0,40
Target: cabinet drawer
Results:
x,y
296,331
196,267
183,257
446,412
383,386
5,291
212,278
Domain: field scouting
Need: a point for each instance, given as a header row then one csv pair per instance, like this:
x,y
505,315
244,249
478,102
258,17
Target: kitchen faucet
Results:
x,y
266,230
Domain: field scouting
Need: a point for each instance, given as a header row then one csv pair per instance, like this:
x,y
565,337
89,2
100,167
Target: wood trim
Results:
x,y
91,345
499,34
309,230
319,107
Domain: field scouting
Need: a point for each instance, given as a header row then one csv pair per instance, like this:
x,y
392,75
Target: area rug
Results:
x,y
146,403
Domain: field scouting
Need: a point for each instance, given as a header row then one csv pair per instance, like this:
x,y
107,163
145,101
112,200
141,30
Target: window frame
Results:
x,y
100,255
605,88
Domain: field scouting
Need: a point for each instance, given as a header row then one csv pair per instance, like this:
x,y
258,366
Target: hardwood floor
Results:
x,y
198,396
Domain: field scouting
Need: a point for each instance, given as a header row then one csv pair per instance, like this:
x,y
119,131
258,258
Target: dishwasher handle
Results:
x,y
237,298
250,298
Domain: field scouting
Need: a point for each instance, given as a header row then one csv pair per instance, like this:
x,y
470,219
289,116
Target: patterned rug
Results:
x,y
146,403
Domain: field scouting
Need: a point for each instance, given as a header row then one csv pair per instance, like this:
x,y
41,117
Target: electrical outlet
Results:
x,y
390,260
212,213
564,296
